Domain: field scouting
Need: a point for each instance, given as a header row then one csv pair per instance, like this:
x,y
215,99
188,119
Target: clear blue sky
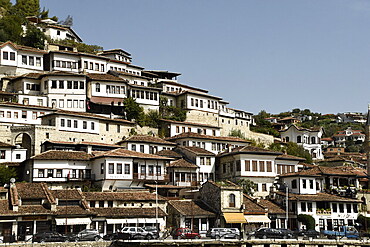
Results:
x,y
258,55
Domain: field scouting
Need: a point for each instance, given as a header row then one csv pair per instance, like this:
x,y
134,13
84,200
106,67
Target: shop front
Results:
x,y
72,225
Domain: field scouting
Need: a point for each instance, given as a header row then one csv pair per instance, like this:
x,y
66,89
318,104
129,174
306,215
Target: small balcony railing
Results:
x,y
154,177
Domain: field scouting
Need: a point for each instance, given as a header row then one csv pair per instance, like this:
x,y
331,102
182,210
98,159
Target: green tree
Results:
x,y
26,8
292,148
248,186
81,47
11,28
133,111
307,220
152,119
5,5
6,173
34,37
170,112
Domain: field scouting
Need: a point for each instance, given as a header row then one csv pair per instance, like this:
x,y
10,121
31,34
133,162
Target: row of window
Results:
x,y
9,55
15,115
282,169
124,70
68,123
65,64
205,161
58,173
95,67
70,103
199,103
305,184
152,149
62,84
141,94
117,168
31,60
189,177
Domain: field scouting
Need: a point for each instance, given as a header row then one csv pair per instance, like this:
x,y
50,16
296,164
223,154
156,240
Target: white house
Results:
x,y
11,154
172,128
146,144
310,139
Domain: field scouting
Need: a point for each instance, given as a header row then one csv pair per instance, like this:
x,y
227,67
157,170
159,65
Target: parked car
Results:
x,y
307,233
43,237
111,236
135,233
153,230
87,235
218,233
273,233
185,233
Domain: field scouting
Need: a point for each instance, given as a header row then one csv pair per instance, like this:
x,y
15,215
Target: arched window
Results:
x,y
313,140
97,87
231,200
287,139
299,139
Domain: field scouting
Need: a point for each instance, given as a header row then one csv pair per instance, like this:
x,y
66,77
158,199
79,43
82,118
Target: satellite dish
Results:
x,y
12,180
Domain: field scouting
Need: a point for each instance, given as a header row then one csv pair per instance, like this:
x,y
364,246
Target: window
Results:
x,y
31,61
82,85
341,208
159,170
18,156
2,154
50,173
92,204
262,166
69,123
41,173
118,128
97,87
53,84
24,60
92,125
294,184
91,66
5,55
355,208
59,173
12,56
75,84
311,184
69,84
107,126
304,183
119,168
62,122
38,61
269,166
299,139
24,114
264,187
111,168
101,168
15,114
84,125
127,168
96,67
208,161
85,65
202,161
151,170
101,204
309,206
254,166
75,124
231,200
303,207
349,208
141,148
82,104
247,164
61,84
133,147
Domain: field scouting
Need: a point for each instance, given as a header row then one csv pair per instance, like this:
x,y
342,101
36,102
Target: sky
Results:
x,y
257,55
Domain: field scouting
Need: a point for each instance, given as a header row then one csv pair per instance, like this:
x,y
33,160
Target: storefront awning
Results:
x,y
234,218
257,219
72,221
133,220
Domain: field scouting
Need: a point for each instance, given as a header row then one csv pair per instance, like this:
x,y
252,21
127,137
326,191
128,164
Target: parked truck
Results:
x,y
343,231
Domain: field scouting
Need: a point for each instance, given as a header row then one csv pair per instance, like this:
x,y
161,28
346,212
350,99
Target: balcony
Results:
x,y
154,177
323,211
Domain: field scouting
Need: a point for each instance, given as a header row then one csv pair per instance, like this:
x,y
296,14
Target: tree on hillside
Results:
x,y
6,173
170,112
26,8
249,187
132,109
292,148
34,37
5,4
11,28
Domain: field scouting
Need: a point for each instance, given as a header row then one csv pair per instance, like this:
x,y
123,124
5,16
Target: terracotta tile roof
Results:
x,y
88,115
271,207
225,184
181,163
251,207
5,145
72,210
34,209
67,194
208,137
190,208
250,150
289,157
122,196
313,129
124,153
27,106
30,191
314,172
318,197
169,153
189,123
147,139
4,208
84,143
62,155
128,212
342,170
196,150
105,77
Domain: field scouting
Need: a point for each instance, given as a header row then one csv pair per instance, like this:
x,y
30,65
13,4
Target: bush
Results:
x,y
307,220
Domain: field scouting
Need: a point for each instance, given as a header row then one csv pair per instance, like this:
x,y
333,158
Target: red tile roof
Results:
x,y
122,196
120,152
196,150
318,197
208,137
62,155
190,208
181,163
147,139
